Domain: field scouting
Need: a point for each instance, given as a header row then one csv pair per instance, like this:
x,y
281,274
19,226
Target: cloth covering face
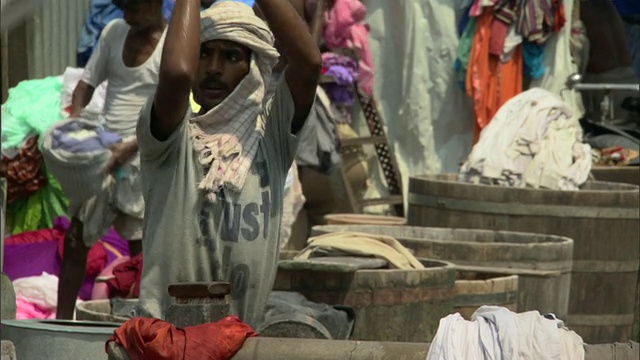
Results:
x,y
226,137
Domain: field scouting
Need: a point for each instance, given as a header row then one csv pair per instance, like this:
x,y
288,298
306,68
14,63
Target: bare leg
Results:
x,y
135,247
72,274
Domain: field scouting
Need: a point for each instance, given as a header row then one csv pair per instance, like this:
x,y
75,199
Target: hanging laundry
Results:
x,y
345,28
464,51
154,339
499,31
533,141
535,20
533,60
511,43
489,82
478,6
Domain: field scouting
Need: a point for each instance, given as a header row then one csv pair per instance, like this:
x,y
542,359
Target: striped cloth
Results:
x,y
226,137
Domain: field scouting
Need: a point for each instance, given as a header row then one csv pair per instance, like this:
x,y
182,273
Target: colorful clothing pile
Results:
x,y
39,210
616,155
36,297
32,108
32,253
24,171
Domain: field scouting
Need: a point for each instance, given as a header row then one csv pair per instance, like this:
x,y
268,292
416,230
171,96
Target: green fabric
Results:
x,y
39,210
32,107
464,49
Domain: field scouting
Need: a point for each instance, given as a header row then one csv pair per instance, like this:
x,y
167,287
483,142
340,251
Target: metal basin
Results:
x,y
58,339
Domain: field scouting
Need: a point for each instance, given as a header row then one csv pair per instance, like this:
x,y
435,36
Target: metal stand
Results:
x,y
574,82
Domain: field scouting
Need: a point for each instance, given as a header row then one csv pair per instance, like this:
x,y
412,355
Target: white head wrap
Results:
x,y
226,138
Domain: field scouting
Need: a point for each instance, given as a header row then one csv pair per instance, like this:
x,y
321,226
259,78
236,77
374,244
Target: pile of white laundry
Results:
x,y
534,141
496,333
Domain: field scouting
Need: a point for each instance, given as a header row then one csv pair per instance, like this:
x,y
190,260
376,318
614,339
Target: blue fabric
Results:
x,y
101,12
627,7
533,59
464,20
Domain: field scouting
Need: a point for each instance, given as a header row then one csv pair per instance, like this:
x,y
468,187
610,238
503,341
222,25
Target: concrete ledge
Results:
x,y
314,349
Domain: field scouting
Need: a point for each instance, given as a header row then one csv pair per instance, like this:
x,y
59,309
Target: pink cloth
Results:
x,y
26,310
100,288
345,28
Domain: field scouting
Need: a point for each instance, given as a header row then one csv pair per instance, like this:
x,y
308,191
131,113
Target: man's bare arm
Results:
x,y
302,54
177,69
317,21
81,97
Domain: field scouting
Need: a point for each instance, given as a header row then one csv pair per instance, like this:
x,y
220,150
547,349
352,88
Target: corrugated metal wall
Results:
x,y
45,44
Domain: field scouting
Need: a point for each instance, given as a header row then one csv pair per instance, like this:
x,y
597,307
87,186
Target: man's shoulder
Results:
x,y
114,29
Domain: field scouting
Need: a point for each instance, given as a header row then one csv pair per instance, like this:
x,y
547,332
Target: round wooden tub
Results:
x,y
474,289
363,219
542,262
618,174
602,218
390,305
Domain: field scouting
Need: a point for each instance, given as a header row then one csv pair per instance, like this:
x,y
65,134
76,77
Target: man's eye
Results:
x,y
233,56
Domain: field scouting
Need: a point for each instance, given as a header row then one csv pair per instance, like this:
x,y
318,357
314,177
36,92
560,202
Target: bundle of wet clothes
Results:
x,y
533,141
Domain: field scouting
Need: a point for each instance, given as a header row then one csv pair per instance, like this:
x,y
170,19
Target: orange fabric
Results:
x,y
489,82
154,339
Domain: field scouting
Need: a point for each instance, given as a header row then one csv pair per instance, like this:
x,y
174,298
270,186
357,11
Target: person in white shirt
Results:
x,y
128,58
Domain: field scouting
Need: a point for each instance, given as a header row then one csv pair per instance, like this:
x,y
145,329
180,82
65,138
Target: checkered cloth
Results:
x,y
226,138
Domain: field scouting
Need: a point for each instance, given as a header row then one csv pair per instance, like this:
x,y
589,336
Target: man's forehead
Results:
x,y
224,44
130,3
